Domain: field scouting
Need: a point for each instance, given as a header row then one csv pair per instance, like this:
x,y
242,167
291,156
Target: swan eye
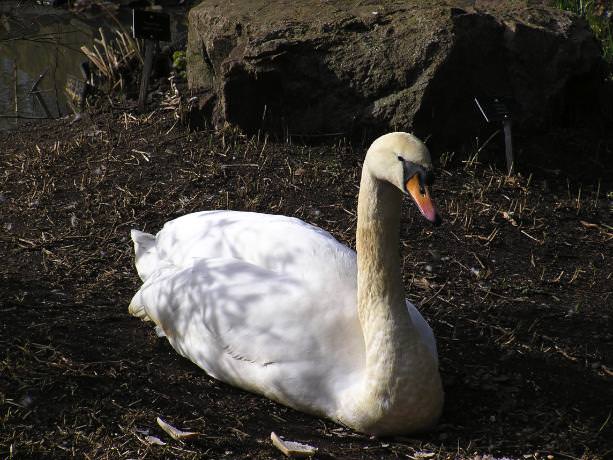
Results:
x,y
400,158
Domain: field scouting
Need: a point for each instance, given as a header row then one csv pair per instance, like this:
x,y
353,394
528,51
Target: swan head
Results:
x,y
404,161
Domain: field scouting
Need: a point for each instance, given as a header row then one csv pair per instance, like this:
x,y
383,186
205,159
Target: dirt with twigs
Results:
x,y
517,284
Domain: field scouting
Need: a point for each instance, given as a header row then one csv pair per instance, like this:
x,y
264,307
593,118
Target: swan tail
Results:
x,y
137,309
146,256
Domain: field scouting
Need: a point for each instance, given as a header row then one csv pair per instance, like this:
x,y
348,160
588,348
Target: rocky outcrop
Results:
x,y
321,67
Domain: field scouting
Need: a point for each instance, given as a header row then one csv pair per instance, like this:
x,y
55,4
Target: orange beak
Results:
x,y
422,199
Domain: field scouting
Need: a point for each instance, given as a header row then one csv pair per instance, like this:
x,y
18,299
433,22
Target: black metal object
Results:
x,y
151,25
494,108
497,109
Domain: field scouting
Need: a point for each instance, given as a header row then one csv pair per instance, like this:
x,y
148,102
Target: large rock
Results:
x,y
319,67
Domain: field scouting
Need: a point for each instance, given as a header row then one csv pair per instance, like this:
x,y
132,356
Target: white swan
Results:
x,y
279,307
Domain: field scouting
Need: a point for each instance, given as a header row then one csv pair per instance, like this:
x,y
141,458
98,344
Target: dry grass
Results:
x,y
516,283
115,57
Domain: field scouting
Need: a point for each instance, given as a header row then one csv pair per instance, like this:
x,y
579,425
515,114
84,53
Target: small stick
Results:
x,y
531,237
15,88
24,117
36,93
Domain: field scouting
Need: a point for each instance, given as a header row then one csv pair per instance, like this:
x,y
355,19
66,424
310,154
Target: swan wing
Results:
x,y
423,329
281,244
258,329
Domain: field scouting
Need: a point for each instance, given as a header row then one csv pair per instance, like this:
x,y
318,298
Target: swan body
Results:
x,y
279,307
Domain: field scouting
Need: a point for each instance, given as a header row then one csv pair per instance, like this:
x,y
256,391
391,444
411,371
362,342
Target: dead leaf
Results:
x,y
589,224
509,217
291,448
154,440
175,433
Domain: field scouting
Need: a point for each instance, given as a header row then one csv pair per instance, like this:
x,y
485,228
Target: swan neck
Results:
x,y
377,241
401,389
385,321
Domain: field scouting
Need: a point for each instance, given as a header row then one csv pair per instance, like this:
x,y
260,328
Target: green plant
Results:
x,y
179,63
599,16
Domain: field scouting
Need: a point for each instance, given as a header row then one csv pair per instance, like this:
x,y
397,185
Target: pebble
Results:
x,y
26,401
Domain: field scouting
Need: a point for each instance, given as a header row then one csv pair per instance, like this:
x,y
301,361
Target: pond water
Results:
x,y
36,40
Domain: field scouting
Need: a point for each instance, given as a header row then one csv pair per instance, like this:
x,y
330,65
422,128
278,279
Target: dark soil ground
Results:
x,y
517,284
